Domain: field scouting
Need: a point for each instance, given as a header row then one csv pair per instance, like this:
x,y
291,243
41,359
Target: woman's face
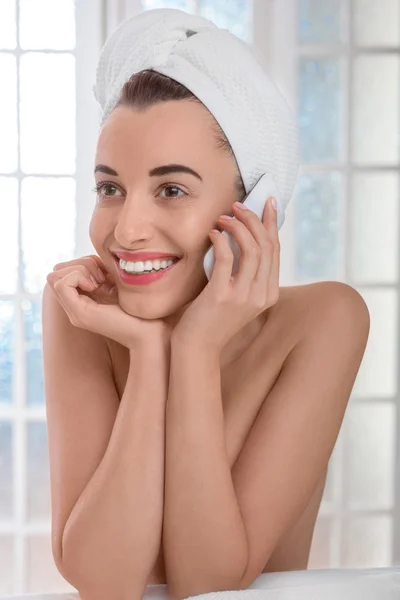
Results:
x,y
138,211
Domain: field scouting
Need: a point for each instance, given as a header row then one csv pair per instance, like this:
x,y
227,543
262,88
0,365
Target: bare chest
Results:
x,y
245,385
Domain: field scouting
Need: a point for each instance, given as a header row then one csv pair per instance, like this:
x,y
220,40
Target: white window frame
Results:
x,y
89,26
282,64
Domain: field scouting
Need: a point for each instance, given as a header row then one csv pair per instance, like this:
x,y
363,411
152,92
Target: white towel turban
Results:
x,y
223,73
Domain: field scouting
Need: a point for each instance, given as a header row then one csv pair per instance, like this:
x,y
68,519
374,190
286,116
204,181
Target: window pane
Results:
x,y
375,123
378,371
48,227
32,313
7,341
38,477
8,114
376,23
235,15
8,235
374,208
8,28
46,24
320,21
6,470
48,117
318,202
321,551
6,564
320,109
370,456
367,542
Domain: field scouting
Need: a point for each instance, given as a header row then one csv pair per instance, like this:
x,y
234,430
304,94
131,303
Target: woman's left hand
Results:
x,y
227,303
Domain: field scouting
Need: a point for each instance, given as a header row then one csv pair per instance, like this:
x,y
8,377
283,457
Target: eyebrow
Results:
x,y
157,171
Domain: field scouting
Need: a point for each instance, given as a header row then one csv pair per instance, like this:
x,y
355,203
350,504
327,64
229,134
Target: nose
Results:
x,y
135,222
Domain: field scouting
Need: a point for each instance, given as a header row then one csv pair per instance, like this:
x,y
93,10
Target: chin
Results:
x,y
163,304
145,309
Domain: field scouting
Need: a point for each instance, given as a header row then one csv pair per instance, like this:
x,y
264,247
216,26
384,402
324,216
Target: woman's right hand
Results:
x,y
92,304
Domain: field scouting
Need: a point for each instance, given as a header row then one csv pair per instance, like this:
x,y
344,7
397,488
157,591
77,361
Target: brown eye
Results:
x,y
99,189
174,195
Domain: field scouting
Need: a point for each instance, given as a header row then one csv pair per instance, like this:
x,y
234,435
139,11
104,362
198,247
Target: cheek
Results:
x,y
97,231
194,231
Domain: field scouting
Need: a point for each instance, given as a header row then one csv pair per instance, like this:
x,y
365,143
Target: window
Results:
x,y
341,63
46,159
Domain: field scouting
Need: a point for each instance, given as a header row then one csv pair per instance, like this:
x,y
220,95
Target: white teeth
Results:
x,y
148,265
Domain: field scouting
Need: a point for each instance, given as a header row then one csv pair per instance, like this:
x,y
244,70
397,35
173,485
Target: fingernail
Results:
x,y
101,275
273,203
241,205
226,217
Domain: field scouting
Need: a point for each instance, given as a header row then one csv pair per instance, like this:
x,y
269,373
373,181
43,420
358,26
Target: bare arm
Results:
x,y
205,544
220,528
111,540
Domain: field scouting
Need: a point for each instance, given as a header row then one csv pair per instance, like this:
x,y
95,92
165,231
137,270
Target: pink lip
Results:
x,y
143,279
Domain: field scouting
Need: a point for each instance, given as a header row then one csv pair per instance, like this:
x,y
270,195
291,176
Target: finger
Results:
x,y
55,276
270,248
222,270
92,262
249,252
75,304
106,290
82,259
273,281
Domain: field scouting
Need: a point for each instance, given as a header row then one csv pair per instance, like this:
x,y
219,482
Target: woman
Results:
x,y
190,423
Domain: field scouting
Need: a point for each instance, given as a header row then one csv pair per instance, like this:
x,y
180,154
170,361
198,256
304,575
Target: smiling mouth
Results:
x,y
175,259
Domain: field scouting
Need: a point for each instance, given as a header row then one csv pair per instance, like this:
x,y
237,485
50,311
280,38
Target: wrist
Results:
x,y
194,346
152,343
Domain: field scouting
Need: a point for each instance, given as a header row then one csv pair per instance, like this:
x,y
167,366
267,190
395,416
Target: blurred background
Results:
x,y
338,63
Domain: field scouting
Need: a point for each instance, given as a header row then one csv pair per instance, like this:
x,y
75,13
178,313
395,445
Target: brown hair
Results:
x,y
148,87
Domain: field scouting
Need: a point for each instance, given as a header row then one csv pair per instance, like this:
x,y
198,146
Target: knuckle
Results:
x,y
265,244
89,261
255,250
93,262
220,300
275,241
269,244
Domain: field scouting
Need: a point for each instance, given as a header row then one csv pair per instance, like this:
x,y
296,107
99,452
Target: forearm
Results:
x,y
112,538
204,538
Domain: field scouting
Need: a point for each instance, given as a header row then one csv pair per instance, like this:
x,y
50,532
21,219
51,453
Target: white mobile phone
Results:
x,y
255,200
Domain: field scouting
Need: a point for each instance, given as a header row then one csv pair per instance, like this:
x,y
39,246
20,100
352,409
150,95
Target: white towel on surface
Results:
x,y
222,71
323,584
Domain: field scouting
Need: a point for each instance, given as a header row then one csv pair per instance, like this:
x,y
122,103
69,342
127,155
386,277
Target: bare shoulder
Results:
x,y
321,294
301,308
